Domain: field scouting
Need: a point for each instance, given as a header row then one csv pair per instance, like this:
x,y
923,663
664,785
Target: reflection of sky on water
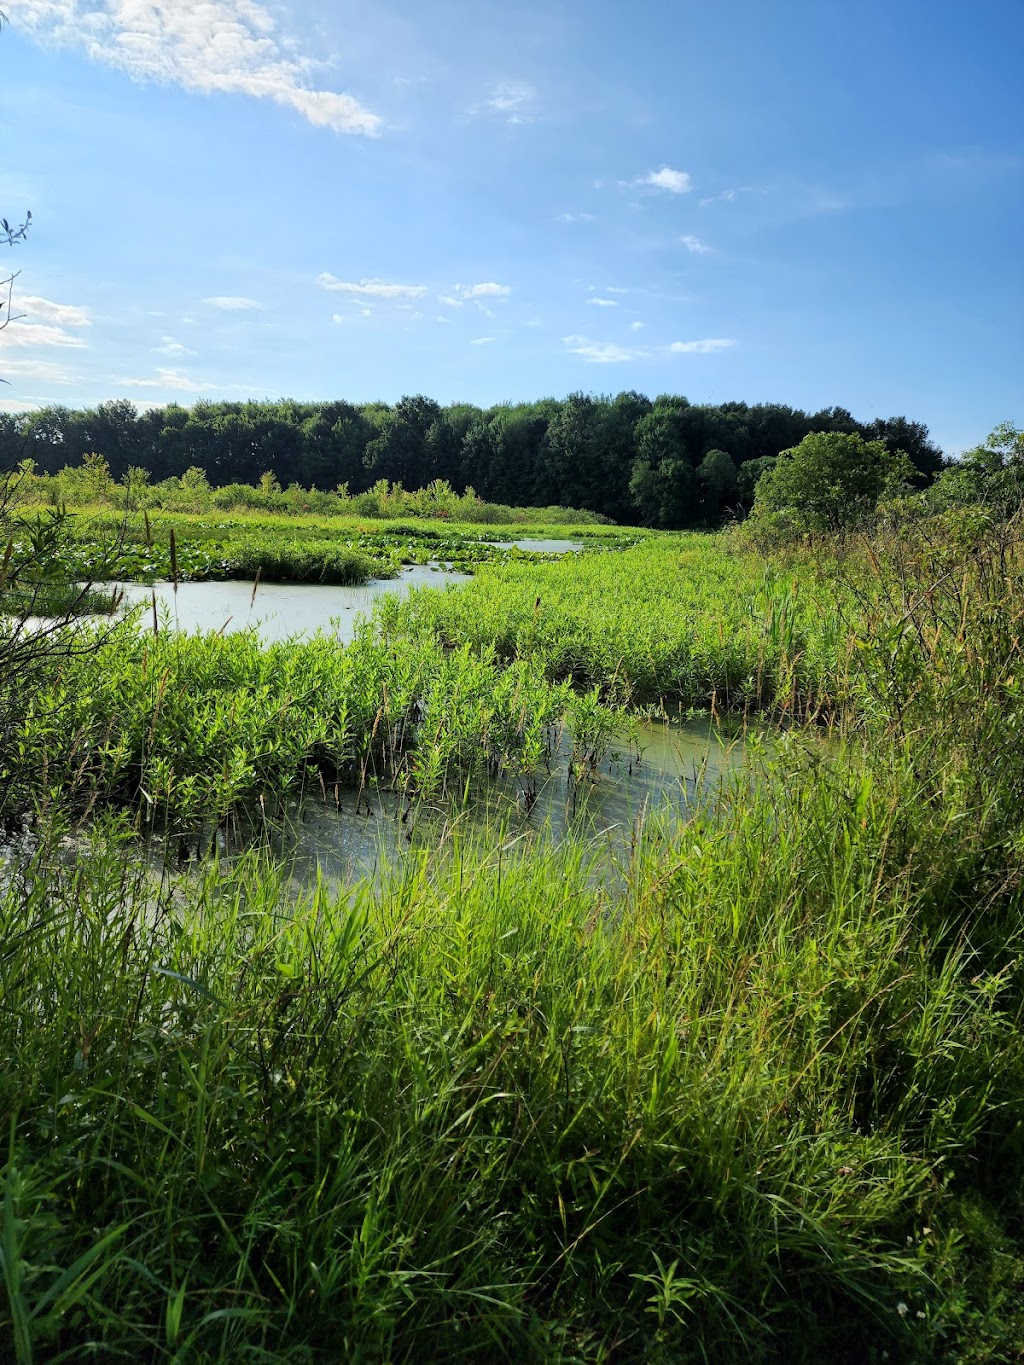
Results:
x,y
347,844
280,610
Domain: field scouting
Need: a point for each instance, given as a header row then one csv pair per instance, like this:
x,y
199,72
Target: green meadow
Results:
x,y
756,1096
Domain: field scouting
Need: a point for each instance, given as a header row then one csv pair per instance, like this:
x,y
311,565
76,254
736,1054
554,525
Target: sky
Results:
x,y
807,202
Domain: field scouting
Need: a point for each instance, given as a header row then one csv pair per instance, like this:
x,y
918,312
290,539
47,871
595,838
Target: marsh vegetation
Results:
x,y
754,1093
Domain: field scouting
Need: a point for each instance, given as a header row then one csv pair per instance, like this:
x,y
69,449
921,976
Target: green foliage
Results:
x,y
583,451
830,482
990,476
754,1094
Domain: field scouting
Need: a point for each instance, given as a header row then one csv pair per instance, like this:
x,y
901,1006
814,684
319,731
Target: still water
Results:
x,y
358,835
278,610
354,835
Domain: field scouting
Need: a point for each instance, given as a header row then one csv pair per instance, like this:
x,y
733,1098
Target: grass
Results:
x,y
757,1097
291,548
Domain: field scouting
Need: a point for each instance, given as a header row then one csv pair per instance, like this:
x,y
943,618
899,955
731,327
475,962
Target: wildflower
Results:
x,y
902,1309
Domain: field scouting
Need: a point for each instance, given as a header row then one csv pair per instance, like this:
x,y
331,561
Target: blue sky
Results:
x,y
808,202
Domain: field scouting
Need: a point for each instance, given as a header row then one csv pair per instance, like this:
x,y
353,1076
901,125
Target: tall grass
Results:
x,y
759,1097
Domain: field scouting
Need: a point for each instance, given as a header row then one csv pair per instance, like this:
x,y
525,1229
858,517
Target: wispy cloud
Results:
x,y
177,380
727,196
635,326
676,182
515,101
171,347
575,217
482,341
377,289
45,310
695,245
702,347
488,290
603,303
45,371
223,46
25,334
611,353
351,317
232,303
602,353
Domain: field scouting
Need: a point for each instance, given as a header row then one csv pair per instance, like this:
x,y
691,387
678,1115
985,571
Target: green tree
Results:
x,y
831,481
663,484
991,475
716,478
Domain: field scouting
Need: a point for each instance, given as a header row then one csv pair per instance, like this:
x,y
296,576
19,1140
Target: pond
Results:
x,y
278,610
541,547
366,834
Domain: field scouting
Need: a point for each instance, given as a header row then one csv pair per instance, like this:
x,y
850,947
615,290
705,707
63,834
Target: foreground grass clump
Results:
x,y
763,1105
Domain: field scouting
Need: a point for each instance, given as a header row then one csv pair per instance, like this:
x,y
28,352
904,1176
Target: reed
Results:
x,y
756,1095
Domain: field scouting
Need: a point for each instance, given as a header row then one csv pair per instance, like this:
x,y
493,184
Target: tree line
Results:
x,y
662,462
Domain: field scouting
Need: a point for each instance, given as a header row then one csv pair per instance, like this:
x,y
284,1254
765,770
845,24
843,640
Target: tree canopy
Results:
x,y
665,462
831,481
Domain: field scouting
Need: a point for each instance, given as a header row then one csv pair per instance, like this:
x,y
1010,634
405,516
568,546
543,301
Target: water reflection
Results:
x,y
366,833
278,611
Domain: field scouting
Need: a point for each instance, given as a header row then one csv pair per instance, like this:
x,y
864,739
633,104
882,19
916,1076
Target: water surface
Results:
x,y
359,834
279,611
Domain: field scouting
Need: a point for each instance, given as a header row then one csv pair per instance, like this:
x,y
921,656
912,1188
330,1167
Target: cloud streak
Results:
x,y
375,289
232,303
218,46
45,310
602,353
704,347
611,353
177,380
22,334
487,290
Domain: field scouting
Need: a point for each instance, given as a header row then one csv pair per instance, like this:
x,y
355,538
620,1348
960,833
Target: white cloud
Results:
x,y
612,289
46,371
377,289
514,100
17,405
481,341
21,334
167,379
676,182
598,353
635,326
448,301
171,347
488,290
575,218
728,196
695,245
45,310
441,318
222,46
603,303
232,303
702,347
349,317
